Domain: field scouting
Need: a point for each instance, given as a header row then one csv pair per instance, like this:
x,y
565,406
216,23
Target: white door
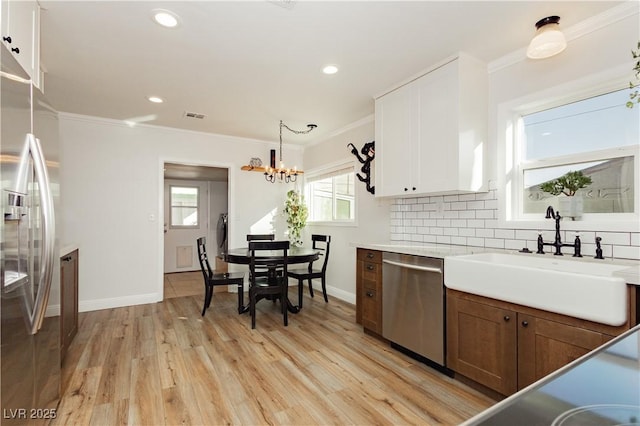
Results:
x,y
186,219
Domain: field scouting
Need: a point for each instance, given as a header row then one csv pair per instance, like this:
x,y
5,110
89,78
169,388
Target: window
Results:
x,y
184,206
330,196
598,136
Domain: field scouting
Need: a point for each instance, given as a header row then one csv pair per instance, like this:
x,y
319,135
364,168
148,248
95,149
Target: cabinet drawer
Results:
x,y
370,255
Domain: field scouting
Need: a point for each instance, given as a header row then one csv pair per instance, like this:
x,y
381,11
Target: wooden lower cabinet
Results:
x,y
69,300
369,290
506,347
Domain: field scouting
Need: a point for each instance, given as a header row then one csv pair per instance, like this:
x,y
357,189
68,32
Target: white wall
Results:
x,y
372,214
112,183
473,219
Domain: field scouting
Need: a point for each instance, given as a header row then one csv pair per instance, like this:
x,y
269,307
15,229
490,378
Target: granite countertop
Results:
x,y
631,275
600,388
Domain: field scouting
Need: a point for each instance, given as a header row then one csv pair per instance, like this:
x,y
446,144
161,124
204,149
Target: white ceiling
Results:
x,y
248,64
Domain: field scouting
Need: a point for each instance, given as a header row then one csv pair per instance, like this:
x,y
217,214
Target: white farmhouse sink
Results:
x,y
576,288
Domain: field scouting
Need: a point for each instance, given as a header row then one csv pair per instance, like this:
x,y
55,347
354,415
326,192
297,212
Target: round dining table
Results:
x,y
242,256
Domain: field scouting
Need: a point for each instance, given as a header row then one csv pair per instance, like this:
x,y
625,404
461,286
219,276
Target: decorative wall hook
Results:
x,y
368,154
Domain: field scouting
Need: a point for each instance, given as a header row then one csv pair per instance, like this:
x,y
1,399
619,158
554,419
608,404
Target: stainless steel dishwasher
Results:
x,y
413,304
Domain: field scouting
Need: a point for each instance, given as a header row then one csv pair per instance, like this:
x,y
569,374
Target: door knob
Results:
x,y
507,317
525,323
15,50
7,39
369,294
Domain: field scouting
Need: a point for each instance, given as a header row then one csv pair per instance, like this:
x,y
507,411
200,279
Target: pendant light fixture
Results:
x,y
280,173
549,40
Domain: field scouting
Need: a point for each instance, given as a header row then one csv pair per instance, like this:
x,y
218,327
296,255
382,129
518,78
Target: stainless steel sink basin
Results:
x,y
576,288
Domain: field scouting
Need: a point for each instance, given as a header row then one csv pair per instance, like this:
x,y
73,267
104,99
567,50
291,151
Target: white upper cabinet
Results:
x,y
431,132
21,34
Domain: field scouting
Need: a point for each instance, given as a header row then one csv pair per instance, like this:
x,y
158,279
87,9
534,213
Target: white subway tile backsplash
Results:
x,y
494,243
444,222
472,219
475,242
467,214
443,239
485,214
626,252
467,232
461,241
475,223
467,197
475,205
505,233
620,238
484,232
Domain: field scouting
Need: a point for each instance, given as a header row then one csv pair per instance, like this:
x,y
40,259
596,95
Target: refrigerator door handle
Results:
x,y
48,225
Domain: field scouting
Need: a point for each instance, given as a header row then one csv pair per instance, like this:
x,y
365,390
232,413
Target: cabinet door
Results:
x,y
22,25
393,143
481,343
69,300
371,297
545,346
438,136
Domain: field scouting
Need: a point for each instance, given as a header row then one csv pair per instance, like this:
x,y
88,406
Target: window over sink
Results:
x,y
591,131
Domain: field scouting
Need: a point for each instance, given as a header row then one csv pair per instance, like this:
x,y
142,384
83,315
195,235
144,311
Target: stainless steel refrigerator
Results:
x,y
29,254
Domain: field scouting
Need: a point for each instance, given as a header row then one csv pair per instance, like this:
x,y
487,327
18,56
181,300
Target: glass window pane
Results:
x,y
184,216
184,206
184,196
332,198
588,125
344,210
611,191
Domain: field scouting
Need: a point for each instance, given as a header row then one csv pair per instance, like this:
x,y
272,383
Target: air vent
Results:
x,y
197,115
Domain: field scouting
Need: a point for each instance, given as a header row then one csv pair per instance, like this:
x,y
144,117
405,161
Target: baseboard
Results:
x,y
118,302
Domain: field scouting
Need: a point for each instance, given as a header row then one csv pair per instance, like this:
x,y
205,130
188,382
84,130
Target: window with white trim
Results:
x,y
597,135
330,195
184,206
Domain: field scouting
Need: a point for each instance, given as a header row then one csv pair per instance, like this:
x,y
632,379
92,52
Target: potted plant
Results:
x,y
568,184
634,96
297,212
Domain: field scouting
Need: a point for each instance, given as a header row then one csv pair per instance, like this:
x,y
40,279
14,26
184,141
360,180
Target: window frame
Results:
x,y
326,172
511,170
171,207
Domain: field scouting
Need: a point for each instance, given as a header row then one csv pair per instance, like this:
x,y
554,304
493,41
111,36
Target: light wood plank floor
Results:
x,y
164,364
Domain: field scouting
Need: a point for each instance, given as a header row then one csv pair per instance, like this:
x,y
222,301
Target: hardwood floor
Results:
x,y
165,364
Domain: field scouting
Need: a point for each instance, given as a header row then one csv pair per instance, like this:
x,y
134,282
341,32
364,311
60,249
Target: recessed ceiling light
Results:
x,y
155,99
330,69
165,18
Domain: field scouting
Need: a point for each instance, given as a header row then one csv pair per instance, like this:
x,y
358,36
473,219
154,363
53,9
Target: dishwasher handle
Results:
x,y
415,267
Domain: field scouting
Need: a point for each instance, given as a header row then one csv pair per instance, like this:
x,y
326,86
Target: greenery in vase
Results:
x,y
297,212
635,96
567,184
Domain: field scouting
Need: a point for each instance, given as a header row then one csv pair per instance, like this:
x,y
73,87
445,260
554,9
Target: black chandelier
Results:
x,y
282,173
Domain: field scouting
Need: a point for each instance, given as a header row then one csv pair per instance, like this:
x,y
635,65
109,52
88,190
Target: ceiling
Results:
x,y
246,65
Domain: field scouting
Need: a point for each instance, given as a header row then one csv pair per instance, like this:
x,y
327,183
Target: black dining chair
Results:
x,y
261,272
322,244
261,237
212,278
271,256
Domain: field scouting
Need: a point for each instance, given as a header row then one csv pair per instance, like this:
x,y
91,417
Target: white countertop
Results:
x,y
631,274
67,248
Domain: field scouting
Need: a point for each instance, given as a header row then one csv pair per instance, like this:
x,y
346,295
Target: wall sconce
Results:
x,y
549,40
